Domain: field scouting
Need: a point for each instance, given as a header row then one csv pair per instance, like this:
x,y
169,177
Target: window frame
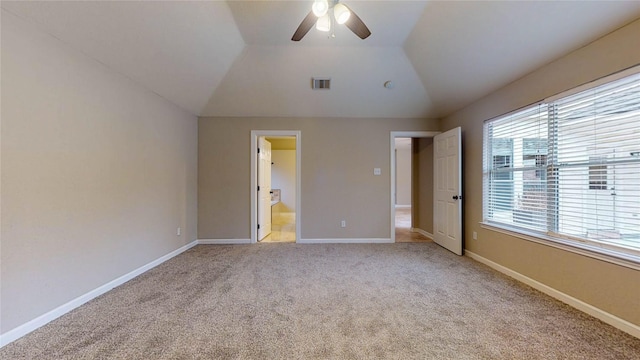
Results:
x,y
629,257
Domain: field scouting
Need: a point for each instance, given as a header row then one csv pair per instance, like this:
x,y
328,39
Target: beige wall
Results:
x,y
97,174
403,175
338,158
283,177
422,211
282,143
610,287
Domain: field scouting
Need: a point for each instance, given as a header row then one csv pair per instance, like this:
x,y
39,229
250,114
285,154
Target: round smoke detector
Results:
x,y
389,84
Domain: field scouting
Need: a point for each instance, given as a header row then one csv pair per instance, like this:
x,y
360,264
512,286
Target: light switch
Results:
x,y
376,171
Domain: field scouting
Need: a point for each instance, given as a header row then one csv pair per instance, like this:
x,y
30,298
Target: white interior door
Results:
x,y
264,188
447,196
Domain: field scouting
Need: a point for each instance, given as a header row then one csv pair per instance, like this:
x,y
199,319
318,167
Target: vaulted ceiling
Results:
x,y
235,58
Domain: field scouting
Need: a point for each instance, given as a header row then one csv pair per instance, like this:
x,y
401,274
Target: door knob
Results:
x,y
456,197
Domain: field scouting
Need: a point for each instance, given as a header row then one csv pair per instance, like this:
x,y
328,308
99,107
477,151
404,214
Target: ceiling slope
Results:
x,y
273,76
272,23
276,81
179,50
235,58
464,50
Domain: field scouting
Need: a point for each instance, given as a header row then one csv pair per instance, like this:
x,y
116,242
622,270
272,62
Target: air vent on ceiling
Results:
x,y
320,83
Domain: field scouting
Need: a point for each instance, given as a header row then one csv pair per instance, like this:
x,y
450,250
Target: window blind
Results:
x,y
597,170
569,168
516,159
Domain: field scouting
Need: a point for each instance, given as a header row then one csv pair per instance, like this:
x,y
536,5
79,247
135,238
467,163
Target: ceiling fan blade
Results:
x,y
356,25
305,26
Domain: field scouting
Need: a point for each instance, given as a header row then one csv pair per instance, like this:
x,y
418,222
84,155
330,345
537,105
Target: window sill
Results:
x,y
611,256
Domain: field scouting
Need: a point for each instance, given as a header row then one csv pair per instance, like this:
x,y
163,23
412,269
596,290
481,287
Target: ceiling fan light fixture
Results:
x,y
324,23
325,14
320,7
341,13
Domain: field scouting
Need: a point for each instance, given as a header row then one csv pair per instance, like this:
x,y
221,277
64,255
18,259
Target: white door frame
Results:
x,y
254,180
392,172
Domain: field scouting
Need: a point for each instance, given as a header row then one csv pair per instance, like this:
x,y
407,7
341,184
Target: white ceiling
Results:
x,y
235,58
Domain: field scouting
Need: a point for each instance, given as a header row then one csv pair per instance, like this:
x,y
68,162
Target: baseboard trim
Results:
x,y
223,241
631,329
346,241
24,329
423,233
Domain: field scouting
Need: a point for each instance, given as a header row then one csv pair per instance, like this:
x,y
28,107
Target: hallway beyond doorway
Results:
x,y
403,227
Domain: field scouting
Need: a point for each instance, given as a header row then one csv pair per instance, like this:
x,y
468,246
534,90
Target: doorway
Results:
x,y
283,190
403,191
275,202
411,194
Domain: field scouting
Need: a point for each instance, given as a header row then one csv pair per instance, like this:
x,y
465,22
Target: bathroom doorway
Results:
x,y
275,202
283,189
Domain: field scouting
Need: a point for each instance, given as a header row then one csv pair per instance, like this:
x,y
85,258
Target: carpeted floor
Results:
x,y
329,301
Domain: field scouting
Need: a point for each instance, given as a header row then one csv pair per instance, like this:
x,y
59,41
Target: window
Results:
x,y
569,168
515,190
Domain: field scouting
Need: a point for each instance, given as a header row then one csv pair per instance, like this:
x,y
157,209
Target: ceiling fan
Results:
x,y
320,15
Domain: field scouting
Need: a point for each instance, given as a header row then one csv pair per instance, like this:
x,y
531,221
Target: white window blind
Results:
x,y
516,159
570,168
596,177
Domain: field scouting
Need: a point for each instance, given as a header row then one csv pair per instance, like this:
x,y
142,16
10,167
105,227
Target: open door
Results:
x,y
264,188
447,196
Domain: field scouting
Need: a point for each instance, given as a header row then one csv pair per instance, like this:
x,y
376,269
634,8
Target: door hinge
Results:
x,y
258,226
258,187
258,150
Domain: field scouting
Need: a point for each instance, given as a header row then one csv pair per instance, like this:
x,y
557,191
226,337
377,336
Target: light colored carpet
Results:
x,y
329,301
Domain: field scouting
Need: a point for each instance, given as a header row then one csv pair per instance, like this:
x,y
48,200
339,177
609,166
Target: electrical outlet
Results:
x,y
475,235
178,231
377,171
343,223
